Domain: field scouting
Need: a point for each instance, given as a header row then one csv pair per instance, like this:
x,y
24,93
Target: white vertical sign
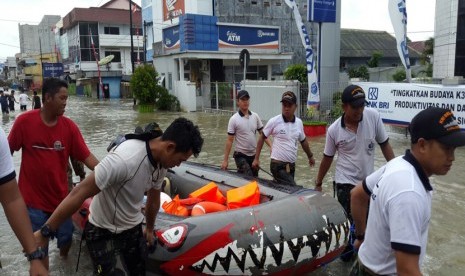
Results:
x,y
398,14
313,100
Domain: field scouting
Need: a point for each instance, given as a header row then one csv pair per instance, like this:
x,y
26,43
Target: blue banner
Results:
x,y
52,70
241,37
322,11
171,38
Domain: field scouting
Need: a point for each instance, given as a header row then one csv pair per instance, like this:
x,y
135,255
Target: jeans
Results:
x,y
64,232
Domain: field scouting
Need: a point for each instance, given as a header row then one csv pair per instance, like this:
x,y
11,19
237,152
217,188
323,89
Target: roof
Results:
x,y
101,15
362,44
418,46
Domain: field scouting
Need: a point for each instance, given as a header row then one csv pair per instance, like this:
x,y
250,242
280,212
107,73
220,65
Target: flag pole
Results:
x,y
131,33
98,66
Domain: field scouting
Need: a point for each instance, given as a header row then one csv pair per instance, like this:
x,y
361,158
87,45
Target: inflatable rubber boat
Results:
x,y
292,230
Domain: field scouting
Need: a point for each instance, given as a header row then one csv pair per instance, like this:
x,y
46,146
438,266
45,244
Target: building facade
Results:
x,y
449,39
196,43
86,36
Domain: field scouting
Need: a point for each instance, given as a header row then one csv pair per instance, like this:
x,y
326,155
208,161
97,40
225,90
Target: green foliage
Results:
x,y
88,90
296,72
314,123
337,110
400,75
167,101
360,72
428,52
374,60
144,85
71,89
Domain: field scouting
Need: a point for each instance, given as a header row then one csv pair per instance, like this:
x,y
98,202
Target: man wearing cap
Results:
x,y
353,136
243,127
114,234
287,131
393,241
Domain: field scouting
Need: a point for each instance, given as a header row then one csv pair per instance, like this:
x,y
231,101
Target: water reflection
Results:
x,y
101,121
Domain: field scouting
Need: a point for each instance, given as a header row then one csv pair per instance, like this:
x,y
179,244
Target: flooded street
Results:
x,y
101,121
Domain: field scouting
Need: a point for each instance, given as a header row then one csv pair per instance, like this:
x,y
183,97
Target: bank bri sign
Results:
x,y
205,33
248,36
322,11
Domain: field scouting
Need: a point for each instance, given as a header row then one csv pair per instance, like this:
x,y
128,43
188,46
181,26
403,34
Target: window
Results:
x,y
117,55
85,41
266,4
111,30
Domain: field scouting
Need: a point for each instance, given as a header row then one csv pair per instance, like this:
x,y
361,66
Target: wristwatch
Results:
x,y
47,232
39,254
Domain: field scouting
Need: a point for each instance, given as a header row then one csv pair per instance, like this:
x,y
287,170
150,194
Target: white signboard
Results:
x,y
398,103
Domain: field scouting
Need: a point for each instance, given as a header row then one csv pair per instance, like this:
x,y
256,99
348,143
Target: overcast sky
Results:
x,y
355,14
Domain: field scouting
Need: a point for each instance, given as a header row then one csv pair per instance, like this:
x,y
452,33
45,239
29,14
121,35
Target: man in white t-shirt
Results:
x,y
353,136
393,240
287,131
118,184
243,127
23,98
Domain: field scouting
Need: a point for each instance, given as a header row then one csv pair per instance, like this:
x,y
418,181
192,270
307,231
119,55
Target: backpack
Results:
x,y
150,131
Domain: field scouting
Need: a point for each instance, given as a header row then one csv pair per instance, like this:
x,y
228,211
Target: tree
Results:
x,y
296,72
374,60
400,75
360,72
144,85
146,89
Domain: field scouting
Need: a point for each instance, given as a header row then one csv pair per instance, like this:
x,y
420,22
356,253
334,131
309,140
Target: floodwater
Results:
x,y
101,121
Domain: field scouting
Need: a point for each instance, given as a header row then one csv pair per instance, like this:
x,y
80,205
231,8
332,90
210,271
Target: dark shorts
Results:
x,y
116,254
343,196
244,164
283,172
64,232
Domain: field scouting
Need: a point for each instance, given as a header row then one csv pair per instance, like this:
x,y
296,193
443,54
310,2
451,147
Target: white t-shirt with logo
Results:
x,y
400,211
355,151
286,137
244,128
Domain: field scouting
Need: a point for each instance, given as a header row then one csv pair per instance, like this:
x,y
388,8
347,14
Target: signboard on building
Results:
x,y
253,38
173,9
171,38
52,70
398,103
321,11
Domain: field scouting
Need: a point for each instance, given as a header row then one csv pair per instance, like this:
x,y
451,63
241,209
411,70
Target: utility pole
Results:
x,y
41,64
130,33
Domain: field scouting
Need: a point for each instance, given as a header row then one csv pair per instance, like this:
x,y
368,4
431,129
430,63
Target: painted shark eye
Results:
x,y
172,237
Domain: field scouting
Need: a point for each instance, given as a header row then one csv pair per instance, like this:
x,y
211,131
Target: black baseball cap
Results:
x,y
439,124
289,97
243,93
354,95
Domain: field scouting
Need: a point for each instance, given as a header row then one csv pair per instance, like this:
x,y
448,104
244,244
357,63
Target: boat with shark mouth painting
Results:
x,y
291,231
